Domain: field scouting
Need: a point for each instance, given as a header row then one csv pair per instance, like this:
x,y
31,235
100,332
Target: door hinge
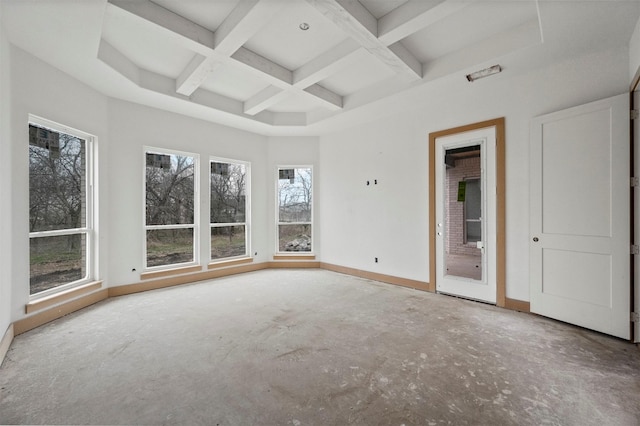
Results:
x,y
634,114
634,181
635,317
635,249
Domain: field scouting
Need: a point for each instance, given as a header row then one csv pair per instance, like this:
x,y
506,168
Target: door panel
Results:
x,y
579,246
451,276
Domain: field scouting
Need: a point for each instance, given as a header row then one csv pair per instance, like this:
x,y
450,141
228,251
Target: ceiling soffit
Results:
x,y
251,59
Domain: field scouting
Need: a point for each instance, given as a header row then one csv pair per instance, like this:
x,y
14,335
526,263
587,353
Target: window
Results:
x,y
473,211
295,213
60,207
229,215
170,209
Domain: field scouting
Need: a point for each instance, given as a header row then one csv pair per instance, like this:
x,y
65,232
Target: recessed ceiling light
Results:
x,y
304,26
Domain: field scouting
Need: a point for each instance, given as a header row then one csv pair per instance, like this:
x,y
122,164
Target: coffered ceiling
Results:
x,y
272,65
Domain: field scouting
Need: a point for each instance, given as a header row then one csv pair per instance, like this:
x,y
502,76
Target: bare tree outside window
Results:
x,y
57,208
295,191
170,196
228,209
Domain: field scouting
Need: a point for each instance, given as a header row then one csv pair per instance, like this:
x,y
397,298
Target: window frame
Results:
x,y
247,209
90,228
196,209
464,210
277,212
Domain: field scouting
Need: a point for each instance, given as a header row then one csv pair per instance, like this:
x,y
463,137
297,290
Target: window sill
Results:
x,y
232,262
65,295
169,272
294,257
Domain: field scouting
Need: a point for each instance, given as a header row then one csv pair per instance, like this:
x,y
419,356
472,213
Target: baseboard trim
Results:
x,y
184,279
389,279
294,264
5,343
517,305
56,298
59,311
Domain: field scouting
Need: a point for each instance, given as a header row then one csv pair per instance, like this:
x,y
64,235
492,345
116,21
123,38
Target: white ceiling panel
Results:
x,y
295,102
283,42
471,24
234,82
144,45
379,8
206,13
365,71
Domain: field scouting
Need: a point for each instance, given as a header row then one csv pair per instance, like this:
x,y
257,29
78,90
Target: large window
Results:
x,y
295,213
170,210
229,215
60,207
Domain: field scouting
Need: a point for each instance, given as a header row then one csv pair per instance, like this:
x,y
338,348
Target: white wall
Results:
x,y
390,220
39,89
5,182
131,127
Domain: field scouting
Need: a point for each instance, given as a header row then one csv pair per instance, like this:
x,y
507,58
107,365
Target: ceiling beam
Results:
x,y
200,39
414,16
244,21
356,21
326,64
264,99
223,46
195,73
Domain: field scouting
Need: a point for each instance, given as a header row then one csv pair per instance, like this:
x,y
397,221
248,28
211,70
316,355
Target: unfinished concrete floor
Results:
x,y
292,347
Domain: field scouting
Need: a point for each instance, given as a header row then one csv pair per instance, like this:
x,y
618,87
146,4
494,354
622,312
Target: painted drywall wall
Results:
x,y
5,181
634,52
44,91
131,128
293,151
390,220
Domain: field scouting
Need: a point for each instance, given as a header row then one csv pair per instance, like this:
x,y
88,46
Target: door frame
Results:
x,y
499,124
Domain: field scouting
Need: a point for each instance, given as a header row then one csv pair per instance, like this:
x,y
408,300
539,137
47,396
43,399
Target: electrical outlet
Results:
x,y
376,260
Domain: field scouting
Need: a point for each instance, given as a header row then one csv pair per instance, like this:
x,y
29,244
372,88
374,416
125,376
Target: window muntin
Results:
x,y
295,209
170,208
60,207
228,208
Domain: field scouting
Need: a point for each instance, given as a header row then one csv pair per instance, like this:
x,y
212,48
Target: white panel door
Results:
x,y
448,280
580,213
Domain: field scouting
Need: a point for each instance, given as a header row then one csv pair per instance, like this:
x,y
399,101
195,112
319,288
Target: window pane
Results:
x,y
55,261
294,237
473,199
169,189
228,193
228,241
169,246
474,231
57,189
294,195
